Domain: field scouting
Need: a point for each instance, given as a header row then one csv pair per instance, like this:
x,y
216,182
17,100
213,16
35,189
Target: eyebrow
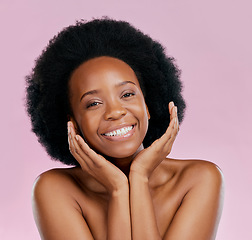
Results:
x,y
96,91
88,93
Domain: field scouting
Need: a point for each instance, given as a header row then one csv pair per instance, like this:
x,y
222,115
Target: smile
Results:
x,y
119,132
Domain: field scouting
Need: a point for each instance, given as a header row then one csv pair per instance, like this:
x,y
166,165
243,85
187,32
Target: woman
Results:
x,y
116,91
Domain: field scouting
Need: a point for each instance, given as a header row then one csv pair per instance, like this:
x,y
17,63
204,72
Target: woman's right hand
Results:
x,y
110,176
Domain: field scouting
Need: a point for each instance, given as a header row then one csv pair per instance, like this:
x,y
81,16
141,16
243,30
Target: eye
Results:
x,y
129,94
93,104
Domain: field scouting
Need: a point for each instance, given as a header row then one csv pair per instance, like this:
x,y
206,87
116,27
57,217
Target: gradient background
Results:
x,y
211,41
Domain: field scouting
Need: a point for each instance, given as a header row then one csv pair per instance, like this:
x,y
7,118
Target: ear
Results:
x,y
72,119
148,113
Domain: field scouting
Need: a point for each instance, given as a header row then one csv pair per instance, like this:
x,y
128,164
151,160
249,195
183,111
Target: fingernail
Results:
x,y
68,127
76,137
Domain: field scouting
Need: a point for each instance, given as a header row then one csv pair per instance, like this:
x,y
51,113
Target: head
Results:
x,y
102,46
108,107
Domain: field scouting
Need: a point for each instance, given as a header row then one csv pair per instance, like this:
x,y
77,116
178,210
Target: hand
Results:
x,y
111,177
148,159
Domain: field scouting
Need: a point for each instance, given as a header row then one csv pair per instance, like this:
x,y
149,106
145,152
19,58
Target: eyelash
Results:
x,y
129,94
93,104
126,95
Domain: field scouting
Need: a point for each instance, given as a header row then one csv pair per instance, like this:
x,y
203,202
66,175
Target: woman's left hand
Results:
x,y
148,159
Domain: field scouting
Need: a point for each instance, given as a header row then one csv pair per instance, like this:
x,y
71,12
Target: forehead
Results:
x,y
97,71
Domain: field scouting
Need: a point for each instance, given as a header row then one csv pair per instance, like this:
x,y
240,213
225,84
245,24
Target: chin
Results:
x,y
120,156
123,151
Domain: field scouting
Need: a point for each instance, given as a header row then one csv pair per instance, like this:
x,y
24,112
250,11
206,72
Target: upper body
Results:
x,y
121,190
187,200
120,132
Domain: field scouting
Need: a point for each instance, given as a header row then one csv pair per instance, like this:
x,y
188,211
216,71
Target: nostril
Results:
x,y
115,113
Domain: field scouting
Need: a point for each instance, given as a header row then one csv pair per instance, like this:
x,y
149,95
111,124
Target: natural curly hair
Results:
x,y
47,98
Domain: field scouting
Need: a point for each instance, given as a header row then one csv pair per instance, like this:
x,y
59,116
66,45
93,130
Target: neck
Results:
x,y
124,163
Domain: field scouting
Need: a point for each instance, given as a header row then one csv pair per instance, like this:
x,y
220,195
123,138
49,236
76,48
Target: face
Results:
x,y
108,107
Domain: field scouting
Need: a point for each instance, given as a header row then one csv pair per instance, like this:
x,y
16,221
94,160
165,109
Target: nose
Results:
x,y
114,111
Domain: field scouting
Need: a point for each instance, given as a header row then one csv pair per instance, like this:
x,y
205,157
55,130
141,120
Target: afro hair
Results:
x,y
47,98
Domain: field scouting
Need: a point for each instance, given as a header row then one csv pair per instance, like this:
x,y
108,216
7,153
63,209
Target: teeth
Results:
x,y
119,132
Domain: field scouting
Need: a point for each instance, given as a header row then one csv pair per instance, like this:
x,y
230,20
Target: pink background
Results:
x,y
211,41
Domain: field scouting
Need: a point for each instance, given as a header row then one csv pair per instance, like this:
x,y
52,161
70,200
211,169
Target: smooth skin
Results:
x,y
123,191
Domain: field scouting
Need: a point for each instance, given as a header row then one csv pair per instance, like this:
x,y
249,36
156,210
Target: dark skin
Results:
x,y
123,191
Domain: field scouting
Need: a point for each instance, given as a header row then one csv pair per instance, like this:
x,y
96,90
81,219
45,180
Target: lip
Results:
x,y
123,137
119,126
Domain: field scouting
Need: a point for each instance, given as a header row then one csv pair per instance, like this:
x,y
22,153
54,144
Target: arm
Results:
x,y
119,215
144,224
198,216
113,179
56,213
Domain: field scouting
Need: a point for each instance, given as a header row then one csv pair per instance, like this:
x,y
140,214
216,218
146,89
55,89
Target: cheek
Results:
x,y
145,119
145,124
142,114
88,125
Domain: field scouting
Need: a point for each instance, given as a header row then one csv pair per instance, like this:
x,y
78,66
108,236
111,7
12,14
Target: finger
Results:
x,y
175,127
93,156
167,135
75,150
170,106
176,116
74,153
177,123
84,151
173,135
70,140
167,139
173,121
174,112
171,126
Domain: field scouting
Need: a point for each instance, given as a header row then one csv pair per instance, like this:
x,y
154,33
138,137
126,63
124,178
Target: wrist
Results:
x,y
138,176
137,170
119,191
119,186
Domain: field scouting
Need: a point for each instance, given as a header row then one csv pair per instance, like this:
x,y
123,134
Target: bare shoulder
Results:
x,y
55,175
53,180
207,174
196,171
58,187
53,188
55,207
200,186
